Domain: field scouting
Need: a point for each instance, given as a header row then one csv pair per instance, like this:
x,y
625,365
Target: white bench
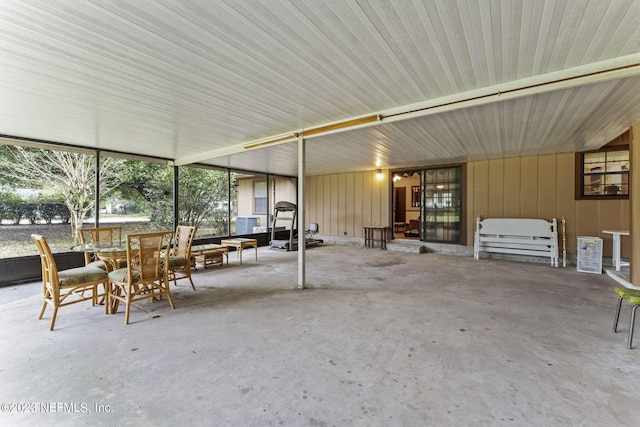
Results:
x,y
517,236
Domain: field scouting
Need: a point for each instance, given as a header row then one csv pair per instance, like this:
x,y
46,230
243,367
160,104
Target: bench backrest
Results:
x,y
516,227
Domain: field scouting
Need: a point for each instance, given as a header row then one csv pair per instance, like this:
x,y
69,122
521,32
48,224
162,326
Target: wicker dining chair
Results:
x,y
109,261
146,273
66,287
180,262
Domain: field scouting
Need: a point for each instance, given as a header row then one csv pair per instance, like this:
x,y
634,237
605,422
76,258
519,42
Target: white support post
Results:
x,y
301,212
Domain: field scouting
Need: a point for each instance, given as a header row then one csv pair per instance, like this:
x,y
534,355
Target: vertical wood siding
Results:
x,y
525,187
633,213
541,187
342,204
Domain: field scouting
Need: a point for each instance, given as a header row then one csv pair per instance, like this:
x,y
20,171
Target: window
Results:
x,y
604,173
260,197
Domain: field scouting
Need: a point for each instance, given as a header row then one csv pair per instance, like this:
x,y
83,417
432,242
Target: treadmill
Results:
x,y
286,212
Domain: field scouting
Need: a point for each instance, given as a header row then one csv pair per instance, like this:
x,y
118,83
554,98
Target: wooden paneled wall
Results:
x,y
634,220
522,187
343,203
282,189
245,197
541,187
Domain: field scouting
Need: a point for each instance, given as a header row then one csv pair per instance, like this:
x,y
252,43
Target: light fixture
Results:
x,y
396,177
379,174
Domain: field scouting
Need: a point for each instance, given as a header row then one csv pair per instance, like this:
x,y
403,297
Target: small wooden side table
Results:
x,y
240,244
210,254
370,232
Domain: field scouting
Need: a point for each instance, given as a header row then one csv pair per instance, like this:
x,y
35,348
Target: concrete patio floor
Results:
x,y
378,339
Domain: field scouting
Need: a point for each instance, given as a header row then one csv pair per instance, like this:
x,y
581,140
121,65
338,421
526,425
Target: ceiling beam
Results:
x,y
617,68
611,69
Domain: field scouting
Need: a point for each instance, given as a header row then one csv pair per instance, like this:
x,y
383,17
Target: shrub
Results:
x,y
50,210
8,202
29,210
42,208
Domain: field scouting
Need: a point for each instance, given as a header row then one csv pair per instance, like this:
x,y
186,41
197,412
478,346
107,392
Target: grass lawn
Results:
x,y
16,239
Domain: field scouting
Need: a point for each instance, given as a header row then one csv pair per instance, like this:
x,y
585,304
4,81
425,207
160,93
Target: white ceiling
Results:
x,y
195,81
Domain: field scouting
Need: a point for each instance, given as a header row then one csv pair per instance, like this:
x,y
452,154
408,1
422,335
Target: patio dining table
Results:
x,y
109,252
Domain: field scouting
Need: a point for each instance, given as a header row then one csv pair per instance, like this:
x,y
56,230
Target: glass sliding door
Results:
x,y
427,204
407,201
442,205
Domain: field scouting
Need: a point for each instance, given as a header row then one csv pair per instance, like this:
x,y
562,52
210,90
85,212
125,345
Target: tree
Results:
x,y
70,175
138,186
201,193
148,187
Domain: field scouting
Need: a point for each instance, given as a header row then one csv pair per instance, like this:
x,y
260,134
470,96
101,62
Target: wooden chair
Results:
x,y
66,287
106,261
414,228
180,256
146,274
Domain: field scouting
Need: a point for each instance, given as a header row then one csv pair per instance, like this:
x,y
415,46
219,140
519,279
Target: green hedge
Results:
x,y
14,209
